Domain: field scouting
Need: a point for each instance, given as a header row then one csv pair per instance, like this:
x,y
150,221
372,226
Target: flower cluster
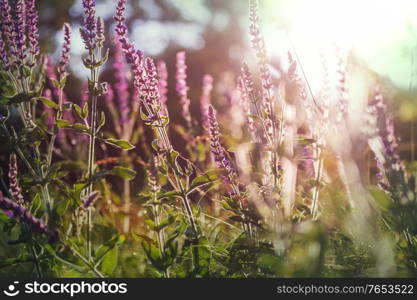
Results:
x,y
32,28
89,200
23,215
163,80
65,53
143,68
258,44
217,150
182,88
89,30
385,128
19,44
15,190
121,86
19,36
205,98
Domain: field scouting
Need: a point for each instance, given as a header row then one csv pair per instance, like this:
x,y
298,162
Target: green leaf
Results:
x,y
47,102
102,120
109,263
78,110
85,110
204,179
61,123
123,144
124,172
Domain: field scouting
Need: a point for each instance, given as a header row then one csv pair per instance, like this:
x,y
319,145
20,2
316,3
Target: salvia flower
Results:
x,y
247,83
163,80
4,59
32,27
246,107
6,22
89,200
386,131
65,53
135,58
120,18
19,30
152,82
182,88
205,98
258,44
23,215
342,85
217,150
15,190
121,86
100,32
89,30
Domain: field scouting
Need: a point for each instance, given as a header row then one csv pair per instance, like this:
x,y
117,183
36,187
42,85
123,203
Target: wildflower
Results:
x,y
152,85
6,22
205,98
32,27
3,55
245,104
18,34
65,53
258,44
133,57
15,190
23,215
217,149
385,127
342,85
182,88
89,30
121,87
247,83
89,200
100,32
163,80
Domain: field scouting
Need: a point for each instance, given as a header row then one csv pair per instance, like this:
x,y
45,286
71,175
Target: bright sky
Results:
x,y
380,32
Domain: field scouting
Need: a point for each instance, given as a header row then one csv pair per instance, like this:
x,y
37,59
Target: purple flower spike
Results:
x,y
258,44
152,81
89,30
89,200
6,22
23,215
32,27
15,189
19,30
100,32
163,80
216,148
182,88
247,83
3,55
65,53
121,87
120,18
133,57
205,98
